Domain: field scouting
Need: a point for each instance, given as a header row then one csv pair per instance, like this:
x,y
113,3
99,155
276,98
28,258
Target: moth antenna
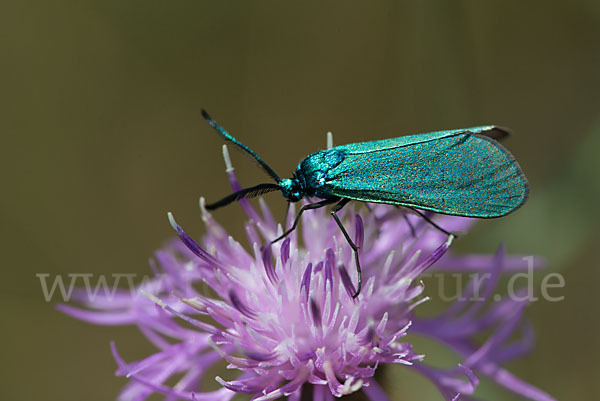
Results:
x,y
240,145
251,192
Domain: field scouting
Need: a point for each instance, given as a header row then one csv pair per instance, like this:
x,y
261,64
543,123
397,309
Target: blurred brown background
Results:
x,y
102,135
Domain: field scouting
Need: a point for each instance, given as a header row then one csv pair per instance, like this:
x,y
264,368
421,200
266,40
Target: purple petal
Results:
x,y
285,390
330,257
285,251
359,237
316,312
328,274
434,257
483,263
239,305
305,285
244,203
193,246
348,286
268,264
102,318
250,385
516,385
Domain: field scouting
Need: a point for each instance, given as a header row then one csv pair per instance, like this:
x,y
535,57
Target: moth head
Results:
x,y
291,189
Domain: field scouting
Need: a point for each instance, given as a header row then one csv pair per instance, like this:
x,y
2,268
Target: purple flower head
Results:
x,y
283,316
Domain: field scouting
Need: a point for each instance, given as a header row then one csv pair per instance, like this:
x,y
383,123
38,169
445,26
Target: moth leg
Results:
x,y
315,205
334,211
427,219
413,233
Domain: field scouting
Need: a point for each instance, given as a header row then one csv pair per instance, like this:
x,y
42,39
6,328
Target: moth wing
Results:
x,y
460,172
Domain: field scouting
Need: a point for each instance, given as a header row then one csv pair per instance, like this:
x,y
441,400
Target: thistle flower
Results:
x,y
283,316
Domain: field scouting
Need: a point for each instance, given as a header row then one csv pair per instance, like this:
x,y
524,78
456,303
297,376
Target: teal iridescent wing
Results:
x,y
459,172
